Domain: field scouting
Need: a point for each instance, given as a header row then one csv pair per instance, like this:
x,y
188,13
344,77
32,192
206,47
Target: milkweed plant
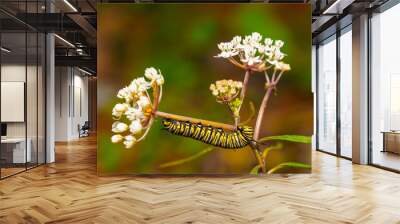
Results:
x,y
253,54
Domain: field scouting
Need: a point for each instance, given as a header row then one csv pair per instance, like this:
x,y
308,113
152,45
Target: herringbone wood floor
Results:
x,y
69,191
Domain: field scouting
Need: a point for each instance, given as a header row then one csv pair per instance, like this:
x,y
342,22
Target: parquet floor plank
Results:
x,y
70,191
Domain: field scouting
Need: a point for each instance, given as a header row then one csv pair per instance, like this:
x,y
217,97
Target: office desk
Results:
x,y
391,141
13,150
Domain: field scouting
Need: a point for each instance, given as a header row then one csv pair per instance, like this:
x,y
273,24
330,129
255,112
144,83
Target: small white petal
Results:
x,y
134,113
160,80
236,41
282,66
143,101
133,88
212,87
256,37
135,127
125,93
140,84
215,93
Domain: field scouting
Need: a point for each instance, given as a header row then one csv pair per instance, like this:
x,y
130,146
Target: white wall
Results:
x,y
71,102
80,110
61,103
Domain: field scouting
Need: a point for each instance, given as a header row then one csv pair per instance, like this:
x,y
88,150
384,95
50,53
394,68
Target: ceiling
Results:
x,y
76,22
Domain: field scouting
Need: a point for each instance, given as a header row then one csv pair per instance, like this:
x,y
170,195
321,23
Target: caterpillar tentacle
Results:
x,y
218,137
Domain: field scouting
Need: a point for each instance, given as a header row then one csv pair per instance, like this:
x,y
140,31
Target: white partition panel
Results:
x,y
12,101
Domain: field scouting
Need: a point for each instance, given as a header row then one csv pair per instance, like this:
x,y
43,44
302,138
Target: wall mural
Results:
x,y
204,89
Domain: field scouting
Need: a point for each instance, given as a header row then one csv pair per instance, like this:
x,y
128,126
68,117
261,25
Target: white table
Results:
x,y
18,149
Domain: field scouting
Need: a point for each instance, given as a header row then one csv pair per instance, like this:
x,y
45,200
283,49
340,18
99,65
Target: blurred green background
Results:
x,y
181,40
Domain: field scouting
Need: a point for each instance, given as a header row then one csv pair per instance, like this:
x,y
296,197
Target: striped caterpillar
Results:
x,y
211,135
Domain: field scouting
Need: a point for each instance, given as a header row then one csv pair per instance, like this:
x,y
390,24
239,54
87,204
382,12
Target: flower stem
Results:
x,y
194,120
257,128
260,160
157,94
245,84
279,77
261,111
242,95
237,119
236,63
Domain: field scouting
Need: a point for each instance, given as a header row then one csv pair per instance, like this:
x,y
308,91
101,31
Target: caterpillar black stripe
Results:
x,y
211,135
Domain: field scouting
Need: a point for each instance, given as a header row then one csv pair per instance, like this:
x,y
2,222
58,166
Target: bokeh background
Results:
x,y
181,40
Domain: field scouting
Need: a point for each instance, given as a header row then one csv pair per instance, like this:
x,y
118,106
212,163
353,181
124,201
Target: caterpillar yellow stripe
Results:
x,y
218,137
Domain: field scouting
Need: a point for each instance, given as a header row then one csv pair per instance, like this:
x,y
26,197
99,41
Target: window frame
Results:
x,y
336,35
381,9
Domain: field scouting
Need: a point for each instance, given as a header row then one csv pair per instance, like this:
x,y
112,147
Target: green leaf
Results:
x,y
289,164
255,170
188,159
268,149
290,138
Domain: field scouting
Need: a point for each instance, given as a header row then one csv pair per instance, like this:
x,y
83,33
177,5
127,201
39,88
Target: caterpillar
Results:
x,y
211,135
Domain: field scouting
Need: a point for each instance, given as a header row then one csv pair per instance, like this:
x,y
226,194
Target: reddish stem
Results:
x,y
156,101
261,111
194,120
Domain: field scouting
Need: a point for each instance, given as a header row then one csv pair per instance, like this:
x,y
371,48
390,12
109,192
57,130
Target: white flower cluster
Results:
x,y
136,108
226,90
253,51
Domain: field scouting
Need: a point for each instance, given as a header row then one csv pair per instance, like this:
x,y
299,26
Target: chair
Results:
x,y
84,130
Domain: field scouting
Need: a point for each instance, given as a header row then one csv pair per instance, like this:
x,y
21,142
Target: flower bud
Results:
x,y
279,43
129,141
116,138
135,127
119,127
268,41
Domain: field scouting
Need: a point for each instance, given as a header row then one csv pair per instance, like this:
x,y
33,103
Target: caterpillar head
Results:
x,y
167,123
247,132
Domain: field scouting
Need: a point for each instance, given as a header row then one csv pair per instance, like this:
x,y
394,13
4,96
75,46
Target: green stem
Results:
x,y
188,159
242,95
